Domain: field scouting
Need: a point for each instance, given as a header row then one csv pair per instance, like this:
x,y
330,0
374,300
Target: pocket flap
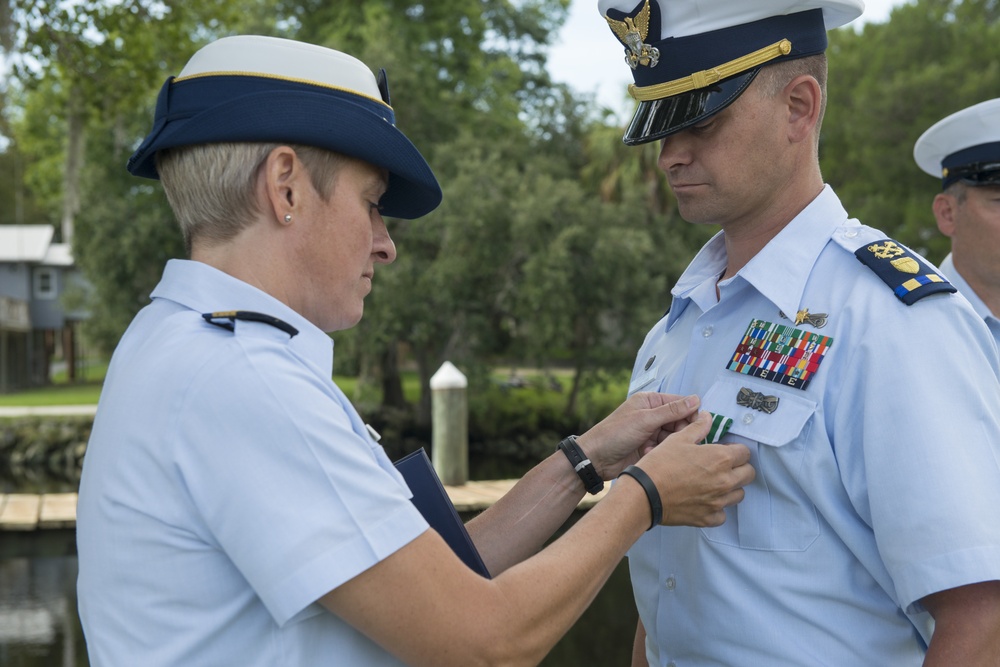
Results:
x,y
761,411
640,382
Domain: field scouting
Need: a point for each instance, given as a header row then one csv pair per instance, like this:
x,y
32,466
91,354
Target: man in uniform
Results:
x,y
864,386
963,150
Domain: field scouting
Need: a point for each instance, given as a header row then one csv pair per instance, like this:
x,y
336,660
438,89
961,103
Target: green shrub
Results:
x,y
510,430
42,453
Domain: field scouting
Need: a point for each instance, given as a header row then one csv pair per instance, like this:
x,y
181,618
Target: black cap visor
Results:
x,y
656,119
981,173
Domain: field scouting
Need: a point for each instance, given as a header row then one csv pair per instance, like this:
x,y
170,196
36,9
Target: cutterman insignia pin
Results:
x,y
632,33
817,320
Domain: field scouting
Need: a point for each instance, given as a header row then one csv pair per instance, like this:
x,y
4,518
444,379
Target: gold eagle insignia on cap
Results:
x,y
632,33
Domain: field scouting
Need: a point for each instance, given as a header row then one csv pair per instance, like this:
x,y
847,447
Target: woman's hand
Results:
x,y
634,428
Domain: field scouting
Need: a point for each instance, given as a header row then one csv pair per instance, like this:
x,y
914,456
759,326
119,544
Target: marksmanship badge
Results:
x,y
756,400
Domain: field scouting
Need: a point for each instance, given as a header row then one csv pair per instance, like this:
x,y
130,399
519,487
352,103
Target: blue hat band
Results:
x,y
189,96
976,164
245,108
681,56
184,99
981,153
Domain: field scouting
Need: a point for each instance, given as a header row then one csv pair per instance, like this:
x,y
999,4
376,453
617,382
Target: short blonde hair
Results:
x,y
211,187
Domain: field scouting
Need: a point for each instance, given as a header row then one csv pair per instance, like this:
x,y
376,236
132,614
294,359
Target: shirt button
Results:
x,y
851,233
707,332
670,583
748,418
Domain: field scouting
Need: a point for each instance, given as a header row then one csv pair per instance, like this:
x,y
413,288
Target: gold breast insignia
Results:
x,y
817,320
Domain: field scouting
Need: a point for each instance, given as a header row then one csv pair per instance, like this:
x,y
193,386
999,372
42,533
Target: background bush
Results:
x,y
511,428
42,453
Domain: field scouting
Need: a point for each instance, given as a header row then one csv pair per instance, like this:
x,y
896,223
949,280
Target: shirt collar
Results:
x,y
779,272
205,289
948,269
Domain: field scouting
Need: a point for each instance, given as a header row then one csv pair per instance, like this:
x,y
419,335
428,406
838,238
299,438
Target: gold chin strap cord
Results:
x,y
707,77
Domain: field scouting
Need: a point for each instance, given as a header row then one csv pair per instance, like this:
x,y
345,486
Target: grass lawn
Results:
x,y
87,390
57,394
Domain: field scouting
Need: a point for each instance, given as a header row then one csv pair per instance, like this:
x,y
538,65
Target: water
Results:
x,y
39,626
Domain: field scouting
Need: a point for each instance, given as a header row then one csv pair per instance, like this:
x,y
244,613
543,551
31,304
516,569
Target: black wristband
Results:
x,y
655,504
582,465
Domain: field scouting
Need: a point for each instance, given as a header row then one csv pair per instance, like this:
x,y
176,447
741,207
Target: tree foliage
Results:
x,y
85,76
888,84
555,243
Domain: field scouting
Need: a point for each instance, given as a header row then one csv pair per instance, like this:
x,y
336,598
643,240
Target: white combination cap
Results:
x,y
692,58
964,146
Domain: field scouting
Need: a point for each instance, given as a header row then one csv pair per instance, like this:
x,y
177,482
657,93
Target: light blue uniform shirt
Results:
x,y
878,479
228,485
956,279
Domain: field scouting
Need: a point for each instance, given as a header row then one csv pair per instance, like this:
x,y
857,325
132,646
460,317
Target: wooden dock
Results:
x,y
24,511
30,512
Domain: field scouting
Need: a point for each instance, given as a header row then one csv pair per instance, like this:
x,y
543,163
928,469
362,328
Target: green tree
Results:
x,y
458,69
84,82
549,224
888,84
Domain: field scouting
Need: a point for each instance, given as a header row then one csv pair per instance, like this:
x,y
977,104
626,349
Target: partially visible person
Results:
x,y
866,389
233,508
963,150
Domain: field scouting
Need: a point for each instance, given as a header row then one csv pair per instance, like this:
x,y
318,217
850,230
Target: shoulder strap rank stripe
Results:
x,y
905,272
227,318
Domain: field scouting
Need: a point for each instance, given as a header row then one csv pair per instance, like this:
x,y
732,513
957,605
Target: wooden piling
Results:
x,y
450,425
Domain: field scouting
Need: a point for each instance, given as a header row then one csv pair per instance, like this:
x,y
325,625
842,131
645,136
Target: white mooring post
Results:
x,y
450,425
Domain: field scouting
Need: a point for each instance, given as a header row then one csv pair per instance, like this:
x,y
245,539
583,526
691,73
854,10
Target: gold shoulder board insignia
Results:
x,y
904,271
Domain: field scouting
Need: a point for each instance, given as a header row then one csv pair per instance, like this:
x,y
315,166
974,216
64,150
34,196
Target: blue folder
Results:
x,y
430,498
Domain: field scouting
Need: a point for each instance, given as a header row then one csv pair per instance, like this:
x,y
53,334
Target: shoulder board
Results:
x,y
226,319
904,271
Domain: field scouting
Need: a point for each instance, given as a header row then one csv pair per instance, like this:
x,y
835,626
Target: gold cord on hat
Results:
x,y
292,79
707,77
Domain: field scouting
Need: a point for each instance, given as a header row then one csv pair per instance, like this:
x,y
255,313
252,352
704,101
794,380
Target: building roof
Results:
x,y
31,243
58,254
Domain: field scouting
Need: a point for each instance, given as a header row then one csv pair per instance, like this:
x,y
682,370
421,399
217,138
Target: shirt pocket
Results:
x,y
642,381
774,423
